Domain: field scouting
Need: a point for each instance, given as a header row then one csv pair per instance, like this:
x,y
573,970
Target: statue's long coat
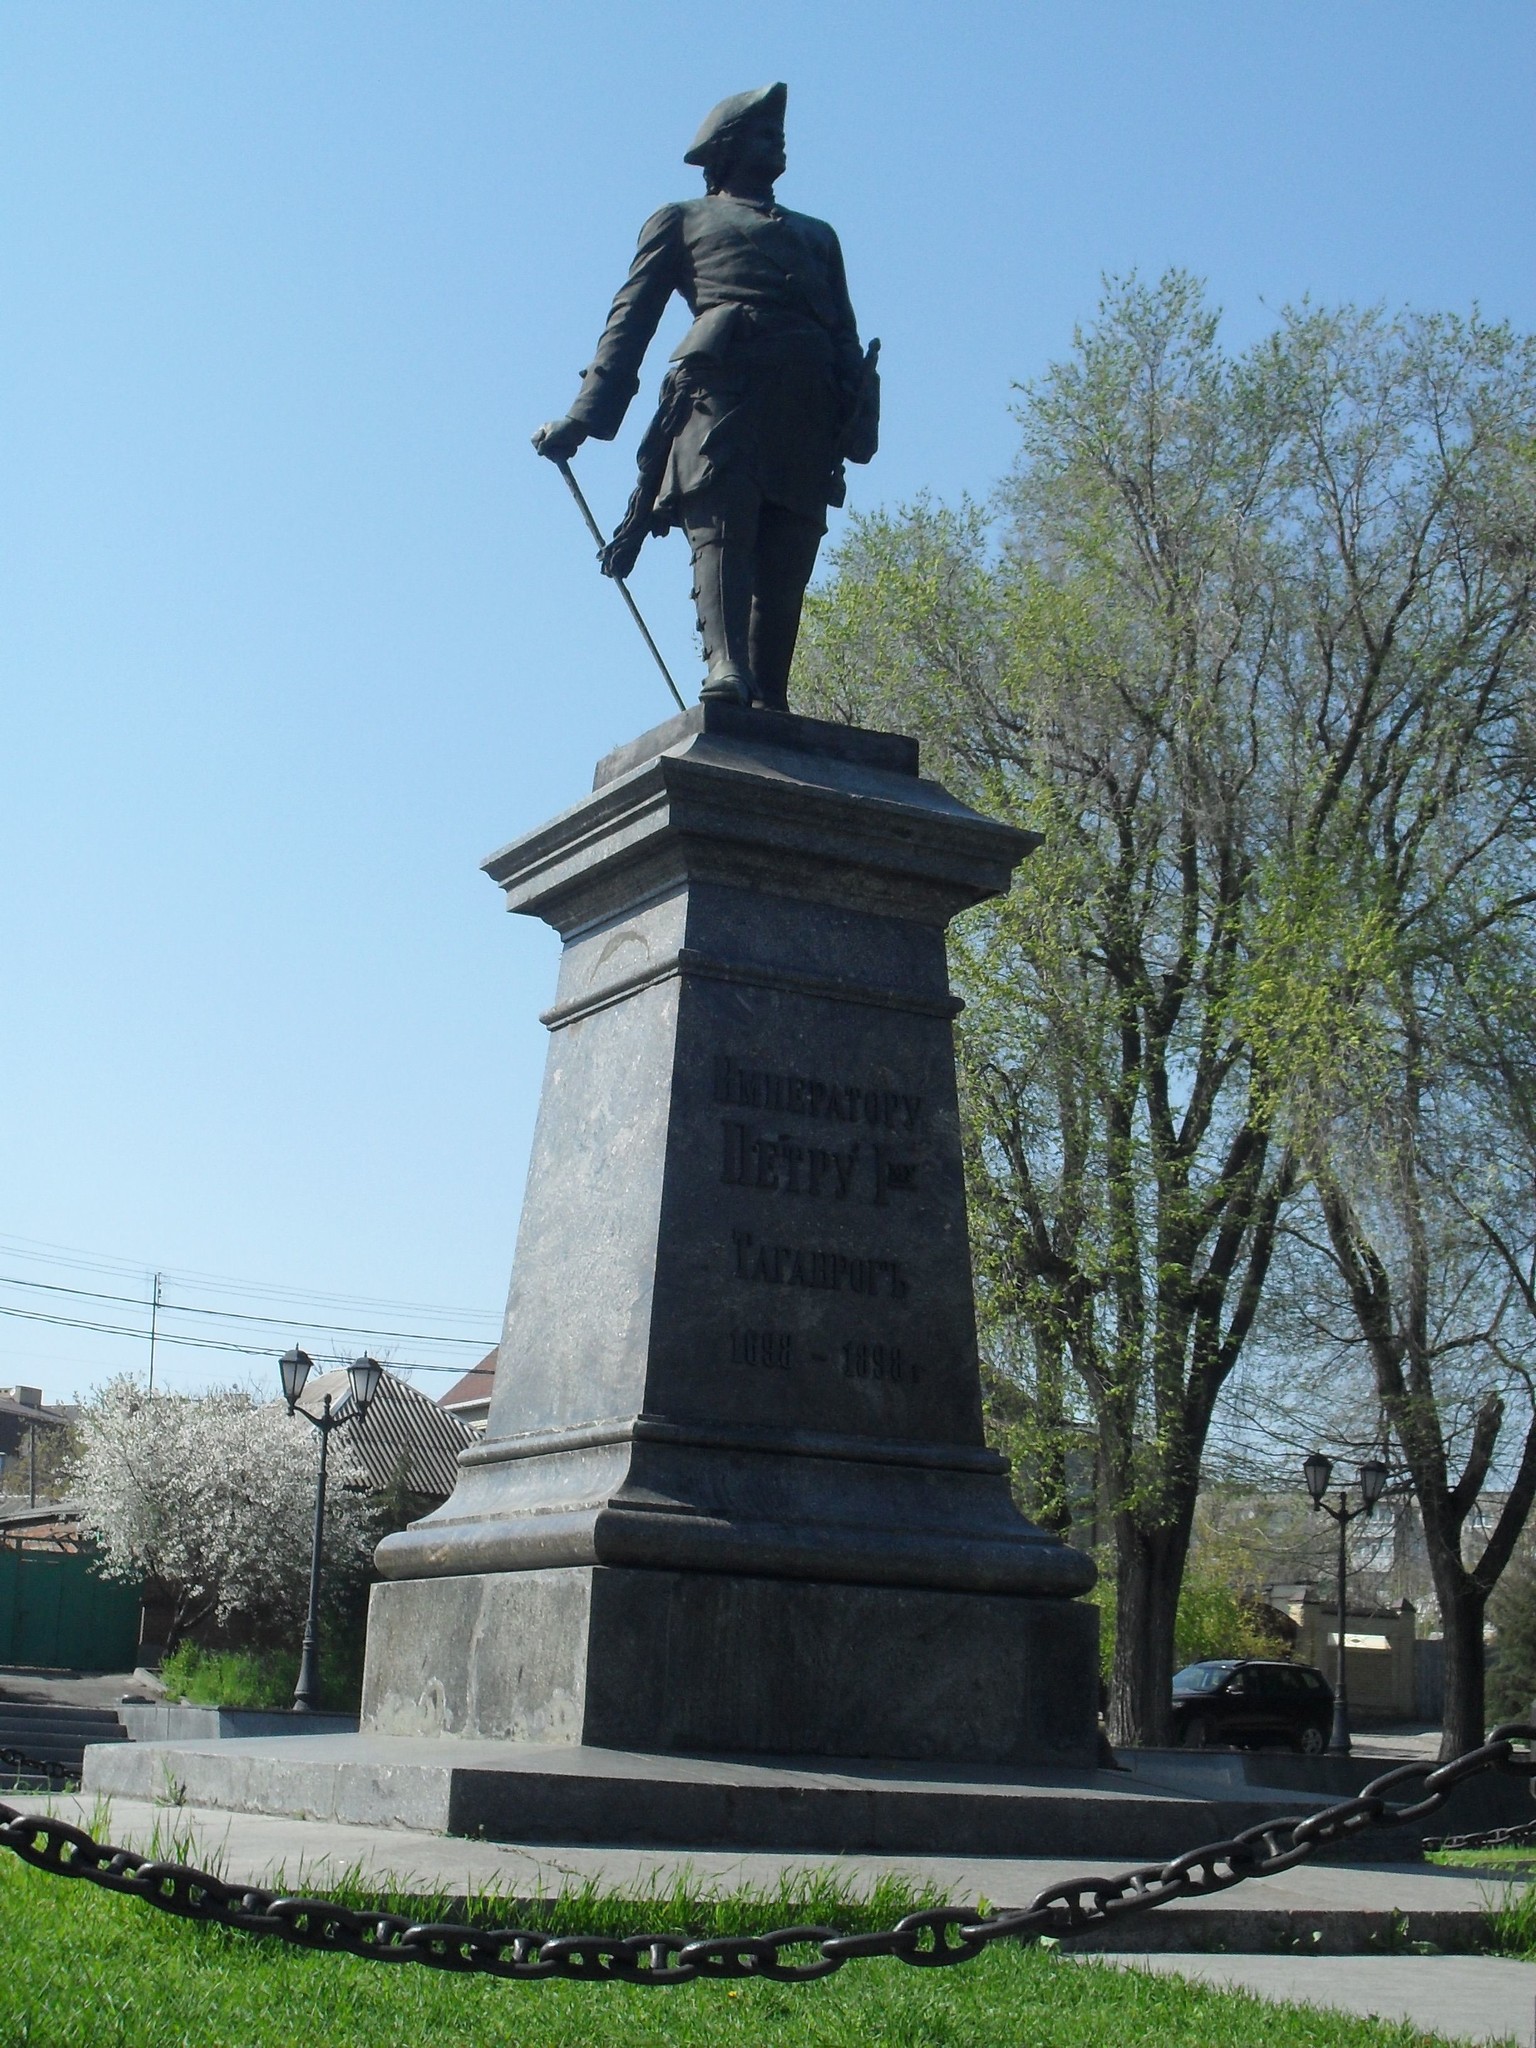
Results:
x,y
764,380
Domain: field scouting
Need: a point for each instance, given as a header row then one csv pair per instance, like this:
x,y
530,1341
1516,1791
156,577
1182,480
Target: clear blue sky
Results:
x,y
293,626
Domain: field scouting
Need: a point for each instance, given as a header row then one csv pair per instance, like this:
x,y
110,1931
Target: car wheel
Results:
x,y
1311,1742
1198,1731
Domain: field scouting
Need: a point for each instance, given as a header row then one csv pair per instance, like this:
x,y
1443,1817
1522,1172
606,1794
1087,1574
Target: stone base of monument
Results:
x,y
734,1493
716,1661
734,1564
566,1795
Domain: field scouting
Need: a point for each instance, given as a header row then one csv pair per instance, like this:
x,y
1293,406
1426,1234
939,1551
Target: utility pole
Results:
x,y
154,1316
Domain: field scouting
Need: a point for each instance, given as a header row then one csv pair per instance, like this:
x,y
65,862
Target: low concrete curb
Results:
x,y
165,1722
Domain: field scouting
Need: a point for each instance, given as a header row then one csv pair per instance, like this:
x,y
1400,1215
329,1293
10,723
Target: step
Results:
x,y
54,1734
27,1713
568,1795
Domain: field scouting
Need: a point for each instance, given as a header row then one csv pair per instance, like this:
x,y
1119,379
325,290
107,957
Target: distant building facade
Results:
x,y
470,1397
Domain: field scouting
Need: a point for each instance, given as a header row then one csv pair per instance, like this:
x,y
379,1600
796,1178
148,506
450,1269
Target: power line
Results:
x,y
32,1315
235,1315
71,1256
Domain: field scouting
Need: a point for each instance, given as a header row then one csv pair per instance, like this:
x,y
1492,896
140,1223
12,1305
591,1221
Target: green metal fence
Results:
x,y
57,1611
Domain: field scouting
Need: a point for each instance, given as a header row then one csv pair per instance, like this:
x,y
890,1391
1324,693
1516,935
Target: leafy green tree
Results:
x,y
1411,488
1139,656
1215,1617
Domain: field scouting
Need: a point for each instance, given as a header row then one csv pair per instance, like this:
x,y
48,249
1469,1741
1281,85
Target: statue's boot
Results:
x,y
783,560
722,595
727,680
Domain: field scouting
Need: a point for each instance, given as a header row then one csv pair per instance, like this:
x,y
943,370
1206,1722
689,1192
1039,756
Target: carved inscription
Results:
x,y
794,1265
775,1349
778,1164
859,1156
813,1095
877,1362
857,1359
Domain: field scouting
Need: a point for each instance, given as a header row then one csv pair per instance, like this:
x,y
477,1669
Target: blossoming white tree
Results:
x,y
212,1496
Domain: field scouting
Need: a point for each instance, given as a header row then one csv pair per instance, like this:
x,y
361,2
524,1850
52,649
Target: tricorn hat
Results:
x,y
719,121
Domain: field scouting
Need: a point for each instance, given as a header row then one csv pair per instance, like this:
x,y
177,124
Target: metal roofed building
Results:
x,y
404,1436
470,1398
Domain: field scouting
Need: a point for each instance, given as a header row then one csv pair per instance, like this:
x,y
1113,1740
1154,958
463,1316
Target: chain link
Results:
x,y
35,1766
1519,1837
935,1938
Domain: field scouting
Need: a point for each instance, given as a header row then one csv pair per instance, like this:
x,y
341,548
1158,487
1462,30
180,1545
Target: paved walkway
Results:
x,y
1468,1998
1407,1739
75,1688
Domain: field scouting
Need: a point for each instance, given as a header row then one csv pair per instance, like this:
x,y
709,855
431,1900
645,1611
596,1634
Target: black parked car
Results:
x,y
1244,1702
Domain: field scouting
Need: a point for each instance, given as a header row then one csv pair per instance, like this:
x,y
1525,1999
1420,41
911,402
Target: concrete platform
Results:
x,y
565,1794
1493,1799
1311,1911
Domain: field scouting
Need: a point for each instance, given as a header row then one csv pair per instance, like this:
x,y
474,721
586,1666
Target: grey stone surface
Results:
x,y
1491,1800
703,1661
740,1338
525,1792
166,1721
561,1793
894,751
740,1334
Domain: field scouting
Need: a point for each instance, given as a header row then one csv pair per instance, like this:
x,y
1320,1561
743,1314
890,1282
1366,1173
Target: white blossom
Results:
x,y
213,1496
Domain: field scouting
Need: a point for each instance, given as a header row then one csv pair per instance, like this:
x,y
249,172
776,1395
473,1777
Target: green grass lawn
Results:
x,y
80,1968
1511,1862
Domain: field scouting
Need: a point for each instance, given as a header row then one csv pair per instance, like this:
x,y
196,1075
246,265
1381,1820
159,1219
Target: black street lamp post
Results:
x,y
1318,1470
364,1374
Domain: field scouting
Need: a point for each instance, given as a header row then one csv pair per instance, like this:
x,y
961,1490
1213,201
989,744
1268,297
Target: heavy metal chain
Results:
x,y
1490,1838
35,1766
929,1939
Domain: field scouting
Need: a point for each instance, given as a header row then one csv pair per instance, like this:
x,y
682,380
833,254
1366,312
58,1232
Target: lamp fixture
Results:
x,y
1373,1482
294,1368
1317,1470
364,1375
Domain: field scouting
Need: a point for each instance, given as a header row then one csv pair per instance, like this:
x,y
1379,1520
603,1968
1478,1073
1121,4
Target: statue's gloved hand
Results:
x,y
622,552
559,439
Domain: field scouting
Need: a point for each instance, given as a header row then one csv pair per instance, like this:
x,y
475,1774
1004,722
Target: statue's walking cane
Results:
x,y
595,530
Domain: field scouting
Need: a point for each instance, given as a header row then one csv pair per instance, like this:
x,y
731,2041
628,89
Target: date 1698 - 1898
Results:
x,y
782,1350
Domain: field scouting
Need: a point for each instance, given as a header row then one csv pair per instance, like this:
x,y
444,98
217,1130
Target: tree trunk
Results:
x,y
1462,1603
1149,1567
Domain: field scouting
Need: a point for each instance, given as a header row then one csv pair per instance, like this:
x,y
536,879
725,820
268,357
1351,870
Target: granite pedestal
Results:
x,y
734,1492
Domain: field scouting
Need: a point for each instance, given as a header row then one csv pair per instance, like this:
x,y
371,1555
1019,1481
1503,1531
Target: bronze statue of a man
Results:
x,y
766,397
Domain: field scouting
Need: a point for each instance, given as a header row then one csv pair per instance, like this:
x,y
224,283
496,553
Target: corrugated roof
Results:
x,y
400,1423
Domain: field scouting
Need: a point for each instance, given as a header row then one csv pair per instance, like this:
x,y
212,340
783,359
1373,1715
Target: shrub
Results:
x,y
261,1678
